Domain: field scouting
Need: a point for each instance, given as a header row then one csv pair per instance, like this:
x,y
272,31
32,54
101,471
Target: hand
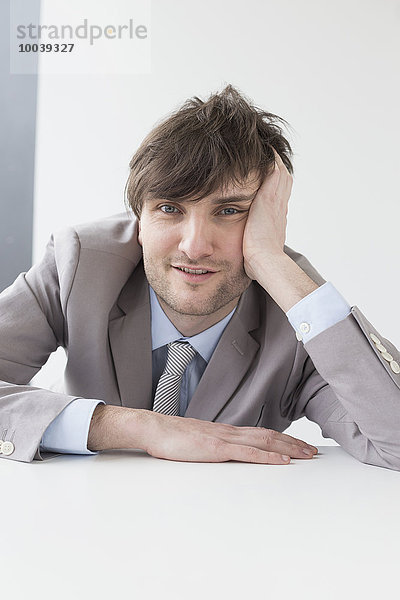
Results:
x,y
189,440
193,440
265,230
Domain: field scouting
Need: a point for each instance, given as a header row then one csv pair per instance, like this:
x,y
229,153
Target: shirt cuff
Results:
x,y
68,433
317,311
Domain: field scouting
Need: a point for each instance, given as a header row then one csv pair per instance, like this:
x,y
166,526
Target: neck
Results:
x,y
189,325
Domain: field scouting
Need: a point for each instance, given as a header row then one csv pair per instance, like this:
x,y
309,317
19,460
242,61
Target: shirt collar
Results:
x,y
163,331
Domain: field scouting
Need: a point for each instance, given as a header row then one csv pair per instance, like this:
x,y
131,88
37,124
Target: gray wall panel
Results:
x,y
17,155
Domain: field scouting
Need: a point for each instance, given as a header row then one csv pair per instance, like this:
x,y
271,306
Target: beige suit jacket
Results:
x,y
89,295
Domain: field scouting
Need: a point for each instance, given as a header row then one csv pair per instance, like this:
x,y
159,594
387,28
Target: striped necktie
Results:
x,y
167,396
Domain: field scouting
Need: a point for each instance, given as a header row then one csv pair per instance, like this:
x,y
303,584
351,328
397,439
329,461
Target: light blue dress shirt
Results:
x,y
321,309
163,332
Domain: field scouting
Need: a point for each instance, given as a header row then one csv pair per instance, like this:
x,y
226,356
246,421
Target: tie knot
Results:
x,y
179,356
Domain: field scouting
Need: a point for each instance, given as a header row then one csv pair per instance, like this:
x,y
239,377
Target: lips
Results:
x,y
200,275
193,270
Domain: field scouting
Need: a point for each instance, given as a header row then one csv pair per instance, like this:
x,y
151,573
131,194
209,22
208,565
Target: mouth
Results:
x,y
194,275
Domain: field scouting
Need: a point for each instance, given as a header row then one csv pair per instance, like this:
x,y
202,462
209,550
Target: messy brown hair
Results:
x,y
204,146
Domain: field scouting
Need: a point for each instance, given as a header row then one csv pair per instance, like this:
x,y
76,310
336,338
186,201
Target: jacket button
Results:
x,y
374,338
393,365
7,448
380,347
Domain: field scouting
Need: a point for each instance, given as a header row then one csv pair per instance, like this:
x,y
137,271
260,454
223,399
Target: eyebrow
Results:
x,y
221,200
229,199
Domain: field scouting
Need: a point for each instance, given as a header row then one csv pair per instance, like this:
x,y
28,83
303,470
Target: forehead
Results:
x,y
243,191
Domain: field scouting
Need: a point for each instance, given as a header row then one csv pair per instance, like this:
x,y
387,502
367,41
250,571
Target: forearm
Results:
x,y
367,389
190,440
114,427
284,280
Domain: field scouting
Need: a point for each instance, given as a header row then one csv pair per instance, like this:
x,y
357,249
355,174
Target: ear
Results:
x,y
139,233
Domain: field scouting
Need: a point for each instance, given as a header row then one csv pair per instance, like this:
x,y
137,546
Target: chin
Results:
x,y
190,308
201,307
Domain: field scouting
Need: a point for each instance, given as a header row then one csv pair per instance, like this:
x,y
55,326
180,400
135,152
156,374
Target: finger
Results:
x,y
279,161
290,439
308,445
293,450
251,454
282,168
284,187
268,440
270,183
247,435
237,430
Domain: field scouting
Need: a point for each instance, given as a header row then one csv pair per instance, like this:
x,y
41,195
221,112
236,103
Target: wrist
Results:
x,y
265,261
114,427
284,280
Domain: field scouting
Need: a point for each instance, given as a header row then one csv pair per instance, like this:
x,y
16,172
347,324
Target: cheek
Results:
x,y
233,246
157,241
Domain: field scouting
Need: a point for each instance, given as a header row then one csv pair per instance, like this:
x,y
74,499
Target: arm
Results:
x,y
338,394
32,326
190,440
68,432
263,242
347,385
360,406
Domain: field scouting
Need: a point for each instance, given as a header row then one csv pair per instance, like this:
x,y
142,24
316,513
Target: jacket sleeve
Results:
x,y
350,387
347,380
32,326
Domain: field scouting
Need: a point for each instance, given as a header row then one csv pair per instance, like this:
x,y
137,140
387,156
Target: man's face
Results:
x,y
205,235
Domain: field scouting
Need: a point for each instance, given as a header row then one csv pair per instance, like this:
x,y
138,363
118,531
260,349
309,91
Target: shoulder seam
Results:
x,y
105,252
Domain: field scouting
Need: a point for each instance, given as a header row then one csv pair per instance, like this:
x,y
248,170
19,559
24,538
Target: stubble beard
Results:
x,y
230,287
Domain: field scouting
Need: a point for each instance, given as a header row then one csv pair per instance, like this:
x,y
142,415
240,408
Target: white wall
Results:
x,y
330,68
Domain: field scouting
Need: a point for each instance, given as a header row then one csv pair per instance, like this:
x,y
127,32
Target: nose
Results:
x,y
196,238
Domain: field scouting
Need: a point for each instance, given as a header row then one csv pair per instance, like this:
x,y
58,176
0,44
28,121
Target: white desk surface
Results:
x,y
123,524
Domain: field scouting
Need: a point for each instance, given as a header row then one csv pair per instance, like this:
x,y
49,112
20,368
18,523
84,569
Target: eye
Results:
x,y
167,208
230,208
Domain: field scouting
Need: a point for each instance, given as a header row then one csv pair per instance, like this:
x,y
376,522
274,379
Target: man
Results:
x,y
191,330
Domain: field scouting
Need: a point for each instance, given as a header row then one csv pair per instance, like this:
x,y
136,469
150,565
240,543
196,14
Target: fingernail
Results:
x,y
308,452
284,457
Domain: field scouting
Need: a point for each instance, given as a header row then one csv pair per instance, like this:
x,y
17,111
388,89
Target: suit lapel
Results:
x,y
230,361
130,342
